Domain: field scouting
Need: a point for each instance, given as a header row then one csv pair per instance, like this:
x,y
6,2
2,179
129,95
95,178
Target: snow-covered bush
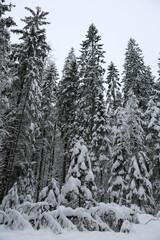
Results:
x,y
26,186
113,215
11,200
103,217
50,193
3,217
33,212
126,226
48,221
78,219
79,187
136,209
158,215
14,220
38,215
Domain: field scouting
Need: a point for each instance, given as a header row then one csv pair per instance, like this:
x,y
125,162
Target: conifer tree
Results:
x,y
50,193
152,115
137,77
157,84
91,78
48,126
67,106
6,79
92,111
130,173
27,186
24,116
139,187
113,96
11,200
159,66
120,153
79,187
5,49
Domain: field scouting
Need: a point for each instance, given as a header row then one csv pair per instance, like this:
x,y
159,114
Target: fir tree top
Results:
x,y
92,55
137,77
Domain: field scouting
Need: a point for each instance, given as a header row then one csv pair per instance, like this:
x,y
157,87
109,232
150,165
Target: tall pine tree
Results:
x,y
6,79
92,111
120,154
139,187
67,106
48,126
24,116
131,171
152,115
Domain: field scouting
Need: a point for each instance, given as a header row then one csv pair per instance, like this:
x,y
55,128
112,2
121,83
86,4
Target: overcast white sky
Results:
x,y
116,20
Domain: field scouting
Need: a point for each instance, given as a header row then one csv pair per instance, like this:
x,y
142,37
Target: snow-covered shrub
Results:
x,y
136,209
79,187
50,193
3,217
11,200
48,221
158,215
14,220
113,215
126,226
33,212
26,186
78,219
33,215
28,198
103,217
38,215
61,217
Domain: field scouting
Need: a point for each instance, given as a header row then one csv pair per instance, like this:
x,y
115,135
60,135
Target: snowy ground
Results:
x,y
150,231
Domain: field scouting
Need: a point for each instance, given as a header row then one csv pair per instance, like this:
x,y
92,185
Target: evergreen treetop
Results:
x,y
137,77
113,95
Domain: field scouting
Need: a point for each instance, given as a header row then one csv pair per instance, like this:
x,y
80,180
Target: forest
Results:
x,y
81,151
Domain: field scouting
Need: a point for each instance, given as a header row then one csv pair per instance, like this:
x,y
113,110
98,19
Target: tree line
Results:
x,y
71,140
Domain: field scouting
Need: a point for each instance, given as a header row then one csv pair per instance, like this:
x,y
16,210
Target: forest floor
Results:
x,y
141,231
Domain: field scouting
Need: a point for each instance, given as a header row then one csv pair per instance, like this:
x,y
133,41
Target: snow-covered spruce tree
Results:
x,y
159,67
152,115
50,193
48,126
27,186
100,151
120,153
11,200
67,106
79,188
91,112
113,95
137,77
25,116
139,187
157,82
6,78
5,49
